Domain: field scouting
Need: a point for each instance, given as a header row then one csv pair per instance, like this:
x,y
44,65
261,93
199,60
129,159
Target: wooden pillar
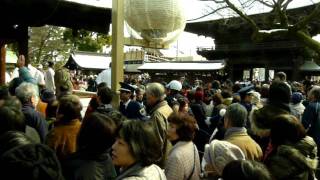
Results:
x,y
117,48
2,63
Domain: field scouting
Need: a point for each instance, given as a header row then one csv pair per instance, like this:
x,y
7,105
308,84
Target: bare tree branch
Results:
x,y
266,3
214,11
303,23
243,16
285,5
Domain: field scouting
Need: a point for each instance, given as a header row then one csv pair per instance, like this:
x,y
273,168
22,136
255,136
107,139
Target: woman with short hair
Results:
x,y
136,150
183,162
62,138
94,141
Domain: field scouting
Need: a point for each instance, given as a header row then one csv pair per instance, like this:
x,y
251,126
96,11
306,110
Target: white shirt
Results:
x,y
49,78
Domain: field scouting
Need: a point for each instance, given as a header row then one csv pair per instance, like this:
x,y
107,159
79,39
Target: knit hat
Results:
x,y
220,153
31,161
296,97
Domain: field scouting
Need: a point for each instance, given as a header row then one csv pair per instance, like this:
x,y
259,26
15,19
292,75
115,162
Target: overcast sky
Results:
x,y
187,42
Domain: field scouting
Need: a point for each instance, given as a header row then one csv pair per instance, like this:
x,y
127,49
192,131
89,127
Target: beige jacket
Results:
x,y
249,147
159,117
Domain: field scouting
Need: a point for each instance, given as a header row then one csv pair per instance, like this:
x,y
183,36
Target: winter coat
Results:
x,y
311,121
183,162
88,166
260,121
137,172
62,138
294,162
35,120
240,138
159,117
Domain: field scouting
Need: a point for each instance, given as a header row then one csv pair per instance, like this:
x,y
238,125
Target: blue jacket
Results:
x,y
35,120
311,120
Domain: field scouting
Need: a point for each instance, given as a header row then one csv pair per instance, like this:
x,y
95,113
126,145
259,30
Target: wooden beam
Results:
x,y
2,63
117,48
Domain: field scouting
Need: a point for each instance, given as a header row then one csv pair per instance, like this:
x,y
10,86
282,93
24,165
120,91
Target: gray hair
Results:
x,y
237,115
157,90
26,91
315,91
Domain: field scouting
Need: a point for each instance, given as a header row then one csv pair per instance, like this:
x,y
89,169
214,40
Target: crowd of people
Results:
x,y
171,130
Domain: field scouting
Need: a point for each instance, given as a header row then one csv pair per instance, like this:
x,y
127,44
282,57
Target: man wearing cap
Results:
x,y
173,94
245,95
128,107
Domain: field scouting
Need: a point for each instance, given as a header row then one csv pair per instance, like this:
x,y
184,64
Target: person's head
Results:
x,y
198,95
265,90
314,94
245,170
28,93
51,110
97,133
47,96
50,64
62,80
174,86
245,93
236,116
154,92
12,118
280,76
126,92
279,93
219,153
132,146
217,99
139,94
286,129
69,108
215,84
105,95
183,105
27,160
182,127
296,97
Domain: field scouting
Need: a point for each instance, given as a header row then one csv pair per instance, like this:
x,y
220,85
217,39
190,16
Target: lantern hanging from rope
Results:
x,y
155,21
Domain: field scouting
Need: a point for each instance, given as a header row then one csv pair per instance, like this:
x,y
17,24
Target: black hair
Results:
x,y
105,95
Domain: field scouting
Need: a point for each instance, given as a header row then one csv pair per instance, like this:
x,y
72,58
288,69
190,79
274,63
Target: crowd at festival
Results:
x,y
170,130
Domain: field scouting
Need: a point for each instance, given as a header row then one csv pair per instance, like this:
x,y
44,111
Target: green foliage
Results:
x,y
83,40
46,44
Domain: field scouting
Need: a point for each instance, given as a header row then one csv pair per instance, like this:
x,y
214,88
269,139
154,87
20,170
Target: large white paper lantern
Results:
x,y
156,21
